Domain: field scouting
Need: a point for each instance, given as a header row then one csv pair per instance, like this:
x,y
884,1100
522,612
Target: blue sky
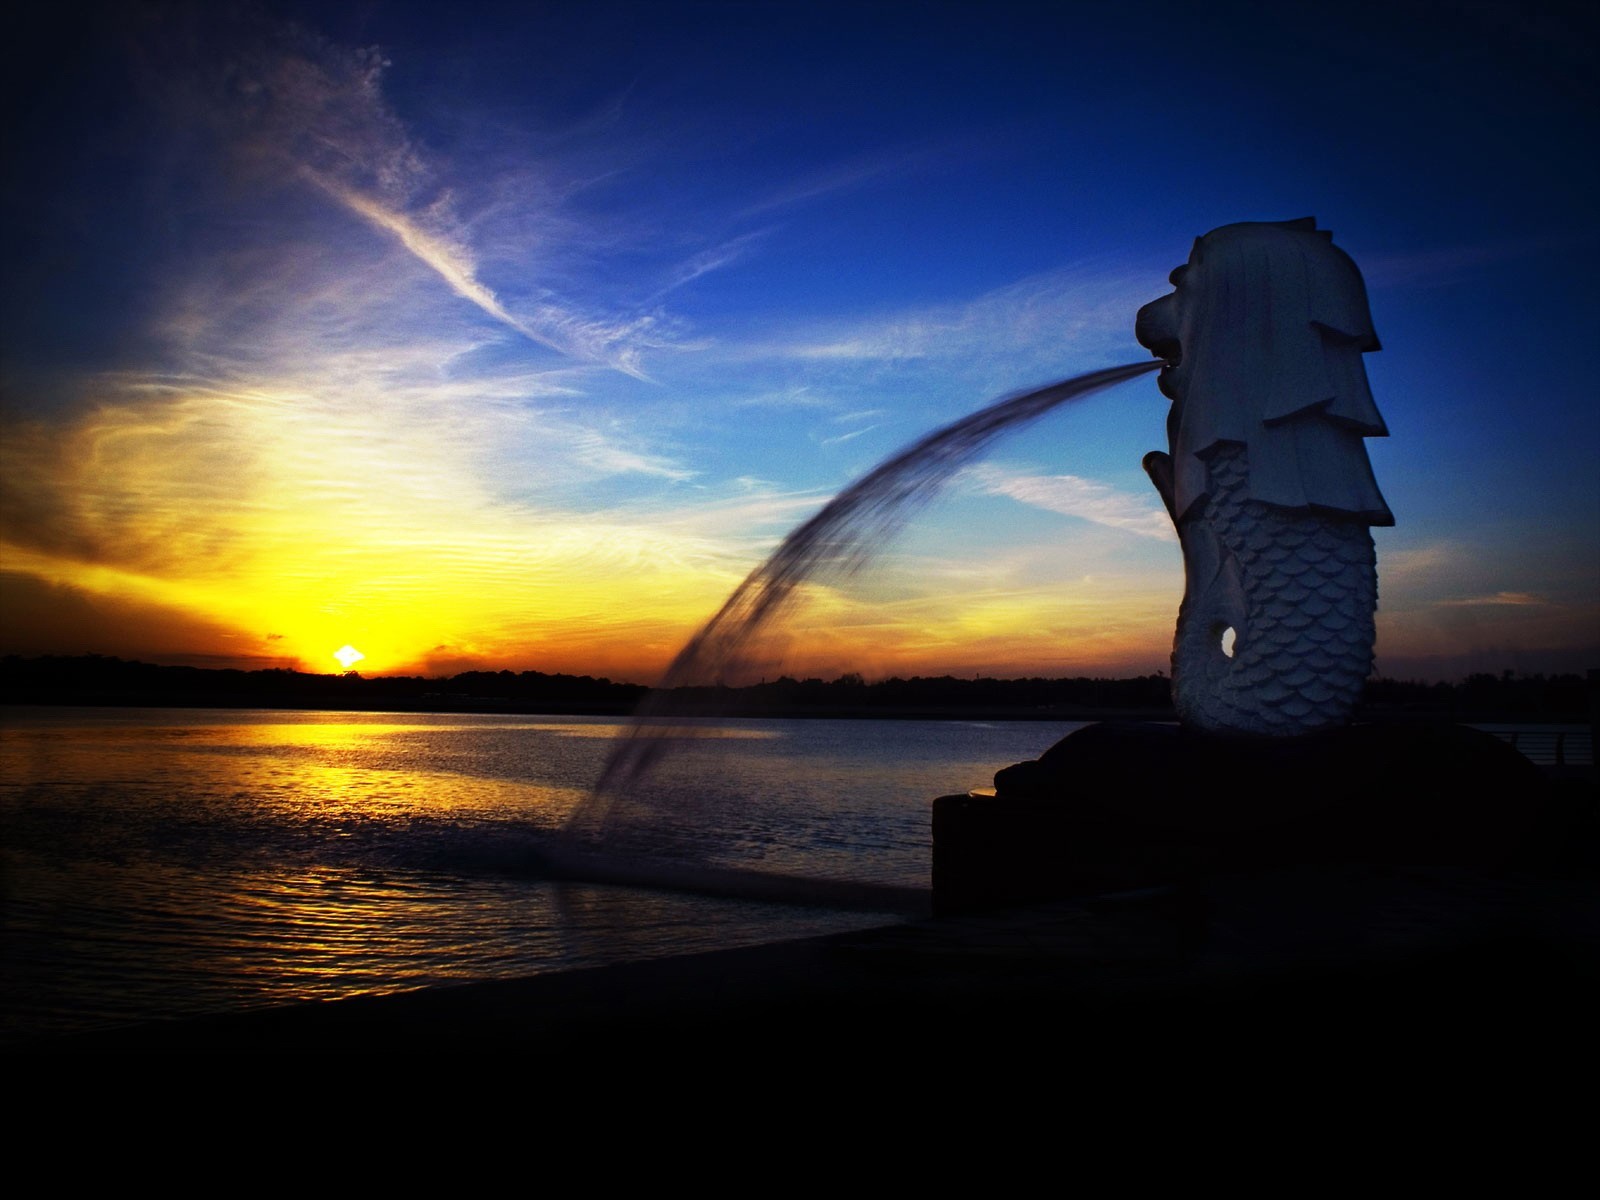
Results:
x,y
515,335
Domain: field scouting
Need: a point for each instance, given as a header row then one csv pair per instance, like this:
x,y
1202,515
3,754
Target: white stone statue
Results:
x,y
1268,481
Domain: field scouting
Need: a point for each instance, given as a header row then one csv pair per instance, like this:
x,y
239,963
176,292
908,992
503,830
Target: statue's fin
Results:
x,y
1158,466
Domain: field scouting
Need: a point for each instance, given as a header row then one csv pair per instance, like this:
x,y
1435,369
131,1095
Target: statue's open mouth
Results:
x,y
1171,355
1170,364
1167,349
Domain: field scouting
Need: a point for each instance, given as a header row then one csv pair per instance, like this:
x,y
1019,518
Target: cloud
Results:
x,y
444,255
713,259
1498,599
1470,575
746,525
798,396
162,473
284,105
594,449
1075,313
847,437
234,515
856,173
49,617
1073,496
1448,265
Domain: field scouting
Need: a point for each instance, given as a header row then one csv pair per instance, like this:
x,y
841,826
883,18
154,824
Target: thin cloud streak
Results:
x,y
847,437
1073,310
801,396
1452,264
455,267
448,260
593,448
1515,599
715,259
1073,496
855,173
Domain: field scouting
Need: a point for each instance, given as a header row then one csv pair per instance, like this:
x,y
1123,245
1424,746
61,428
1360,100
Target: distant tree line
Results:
x,y
97,679
1484,697
1146,694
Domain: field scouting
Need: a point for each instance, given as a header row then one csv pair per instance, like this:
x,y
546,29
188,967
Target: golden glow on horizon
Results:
x,y
410,554
427,571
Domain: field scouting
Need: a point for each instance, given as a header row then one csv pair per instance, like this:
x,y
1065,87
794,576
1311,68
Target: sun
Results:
x,y
348,656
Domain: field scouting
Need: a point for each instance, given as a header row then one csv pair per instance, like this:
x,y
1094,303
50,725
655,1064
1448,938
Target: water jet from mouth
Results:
x,y
838,541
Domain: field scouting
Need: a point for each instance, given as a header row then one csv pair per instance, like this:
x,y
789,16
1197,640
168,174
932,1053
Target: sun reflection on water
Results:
x,y
169,862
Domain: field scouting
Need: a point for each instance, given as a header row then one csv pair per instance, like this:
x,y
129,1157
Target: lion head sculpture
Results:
x,y
1263,340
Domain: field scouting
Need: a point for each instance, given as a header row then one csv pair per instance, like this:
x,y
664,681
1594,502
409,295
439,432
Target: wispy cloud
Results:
x,y
1449,264
1076,497
841,438
798,396
856,173
755,517
867,415
594,448
1498,599
1459,577
449,258
1418,567
713,259
1076,311
289,106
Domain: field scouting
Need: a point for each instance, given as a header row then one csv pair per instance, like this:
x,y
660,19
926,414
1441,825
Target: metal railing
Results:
x,y
1559,748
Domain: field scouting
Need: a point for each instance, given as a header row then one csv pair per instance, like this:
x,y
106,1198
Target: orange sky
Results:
x,y
288,556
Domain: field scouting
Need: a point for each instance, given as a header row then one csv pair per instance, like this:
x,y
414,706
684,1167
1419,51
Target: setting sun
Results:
x,y
348,656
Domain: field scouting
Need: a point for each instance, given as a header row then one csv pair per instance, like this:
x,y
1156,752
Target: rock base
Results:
x,y
1120,806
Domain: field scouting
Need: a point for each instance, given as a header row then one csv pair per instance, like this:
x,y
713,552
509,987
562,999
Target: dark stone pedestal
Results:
x,y
1121,806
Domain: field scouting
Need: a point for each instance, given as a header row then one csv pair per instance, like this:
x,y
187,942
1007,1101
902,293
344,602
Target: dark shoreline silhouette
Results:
x,y
98,680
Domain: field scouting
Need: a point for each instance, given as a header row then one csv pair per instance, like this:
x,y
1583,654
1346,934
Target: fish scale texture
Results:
x,y
1304,646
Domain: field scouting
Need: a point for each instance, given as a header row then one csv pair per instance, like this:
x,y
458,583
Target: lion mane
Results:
x,y
1274,322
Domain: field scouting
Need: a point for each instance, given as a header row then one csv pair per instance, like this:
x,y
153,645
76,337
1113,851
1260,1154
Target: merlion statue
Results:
x,y
1267,479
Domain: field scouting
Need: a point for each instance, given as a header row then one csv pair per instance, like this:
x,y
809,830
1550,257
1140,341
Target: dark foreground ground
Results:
x,y
1343,962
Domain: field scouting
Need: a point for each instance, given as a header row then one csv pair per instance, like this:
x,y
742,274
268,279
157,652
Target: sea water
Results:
x,y
161,863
